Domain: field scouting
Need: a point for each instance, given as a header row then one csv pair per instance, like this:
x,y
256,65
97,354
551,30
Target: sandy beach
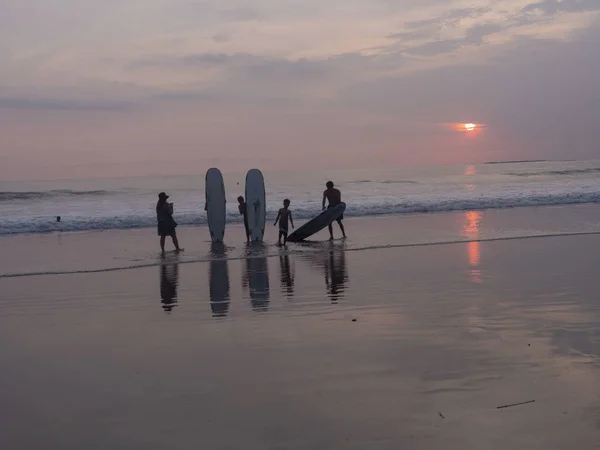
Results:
x,y
335,347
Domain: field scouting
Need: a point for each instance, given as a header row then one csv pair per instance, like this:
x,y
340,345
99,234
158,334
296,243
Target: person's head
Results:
x,y
329,185
286,202
162,197
240,199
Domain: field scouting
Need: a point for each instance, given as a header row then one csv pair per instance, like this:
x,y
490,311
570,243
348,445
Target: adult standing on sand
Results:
x,y
166,223
334,196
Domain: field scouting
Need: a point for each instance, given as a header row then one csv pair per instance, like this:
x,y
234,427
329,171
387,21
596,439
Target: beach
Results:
x,y
410,334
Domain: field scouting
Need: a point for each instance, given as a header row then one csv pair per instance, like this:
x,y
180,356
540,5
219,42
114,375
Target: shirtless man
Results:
x,y
334,196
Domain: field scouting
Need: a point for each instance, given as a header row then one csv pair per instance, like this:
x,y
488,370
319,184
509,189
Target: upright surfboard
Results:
x,y
318,223
215,204
256,204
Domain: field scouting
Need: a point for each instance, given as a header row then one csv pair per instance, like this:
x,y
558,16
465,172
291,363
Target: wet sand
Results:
x,y
385,348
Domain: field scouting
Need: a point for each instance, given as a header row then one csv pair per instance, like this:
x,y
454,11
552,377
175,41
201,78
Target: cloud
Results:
x,y
436,47
222,37
476,34
449,18
552,7
64,105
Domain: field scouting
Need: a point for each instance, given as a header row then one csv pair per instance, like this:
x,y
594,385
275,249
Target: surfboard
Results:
x,y
317,224
256,204
215,204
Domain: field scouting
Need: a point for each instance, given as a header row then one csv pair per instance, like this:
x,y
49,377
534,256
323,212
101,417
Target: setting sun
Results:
x,y
469,126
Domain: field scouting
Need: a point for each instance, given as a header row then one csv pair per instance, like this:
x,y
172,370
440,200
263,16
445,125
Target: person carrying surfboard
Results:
x,y
242,209
166,223
334,197
283,216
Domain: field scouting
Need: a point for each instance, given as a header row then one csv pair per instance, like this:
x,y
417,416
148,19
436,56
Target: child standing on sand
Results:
x,y
243,212
283,216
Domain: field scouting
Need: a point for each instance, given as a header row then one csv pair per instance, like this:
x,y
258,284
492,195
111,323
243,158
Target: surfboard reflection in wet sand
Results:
x,y
218,275
169,280
257,276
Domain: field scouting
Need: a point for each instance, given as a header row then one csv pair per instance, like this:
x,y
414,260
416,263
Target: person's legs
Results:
x,y
175,241
285,237
330,228
339,221
247,231
162,243
280,235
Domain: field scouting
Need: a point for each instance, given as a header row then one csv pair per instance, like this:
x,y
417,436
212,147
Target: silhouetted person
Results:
x,y
283,217
334,197
166,223
243,212
169,279
58,218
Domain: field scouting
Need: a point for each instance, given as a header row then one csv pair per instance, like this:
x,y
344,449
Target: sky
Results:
x,y
136,87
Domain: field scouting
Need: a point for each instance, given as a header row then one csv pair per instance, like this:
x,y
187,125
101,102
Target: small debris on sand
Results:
x,y
441,415
515,404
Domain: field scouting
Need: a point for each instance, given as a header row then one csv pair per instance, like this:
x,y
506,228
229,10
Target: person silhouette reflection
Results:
x,y
218,275
335,273
169,279
287,276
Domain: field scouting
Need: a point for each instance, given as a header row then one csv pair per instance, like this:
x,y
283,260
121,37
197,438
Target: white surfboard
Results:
x,y
256,204
215,204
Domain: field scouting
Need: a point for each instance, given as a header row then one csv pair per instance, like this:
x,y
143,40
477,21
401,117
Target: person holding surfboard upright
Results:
x,y
242,209
166,223
334,196
283,216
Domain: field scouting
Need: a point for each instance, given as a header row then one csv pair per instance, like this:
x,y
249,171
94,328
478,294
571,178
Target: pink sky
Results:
x,y
135,87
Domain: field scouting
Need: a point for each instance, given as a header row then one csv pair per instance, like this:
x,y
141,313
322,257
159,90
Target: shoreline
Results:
x,y
98,251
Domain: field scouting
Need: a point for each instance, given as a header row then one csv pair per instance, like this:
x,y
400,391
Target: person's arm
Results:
x,y
291,220
277,219
324,197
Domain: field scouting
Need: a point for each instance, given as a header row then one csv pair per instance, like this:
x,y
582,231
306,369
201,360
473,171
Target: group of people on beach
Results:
x,y
167,225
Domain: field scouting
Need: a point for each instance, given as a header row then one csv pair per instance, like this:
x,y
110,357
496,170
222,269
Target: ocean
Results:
x,y
124,203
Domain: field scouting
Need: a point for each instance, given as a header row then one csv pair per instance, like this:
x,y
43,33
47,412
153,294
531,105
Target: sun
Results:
x,y
469,126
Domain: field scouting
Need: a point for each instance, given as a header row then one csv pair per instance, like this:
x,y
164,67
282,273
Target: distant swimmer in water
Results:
x,y
334,196
58,218
283,216
166,223
242,209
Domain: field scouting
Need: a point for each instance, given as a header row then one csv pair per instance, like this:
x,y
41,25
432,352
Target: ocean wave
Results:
x,y
382,182
33,195
556,172
370,207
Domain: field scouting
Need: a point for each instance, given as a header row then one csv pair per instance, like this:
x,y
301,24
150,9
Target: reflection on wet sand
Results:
x,y
335,273
287,276
331,258
471,231
256,276
218,274
169,279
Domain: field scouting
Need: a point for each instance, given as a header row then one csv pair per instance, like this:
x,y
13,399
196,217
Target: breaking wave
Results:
x,y
33,195
367,207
